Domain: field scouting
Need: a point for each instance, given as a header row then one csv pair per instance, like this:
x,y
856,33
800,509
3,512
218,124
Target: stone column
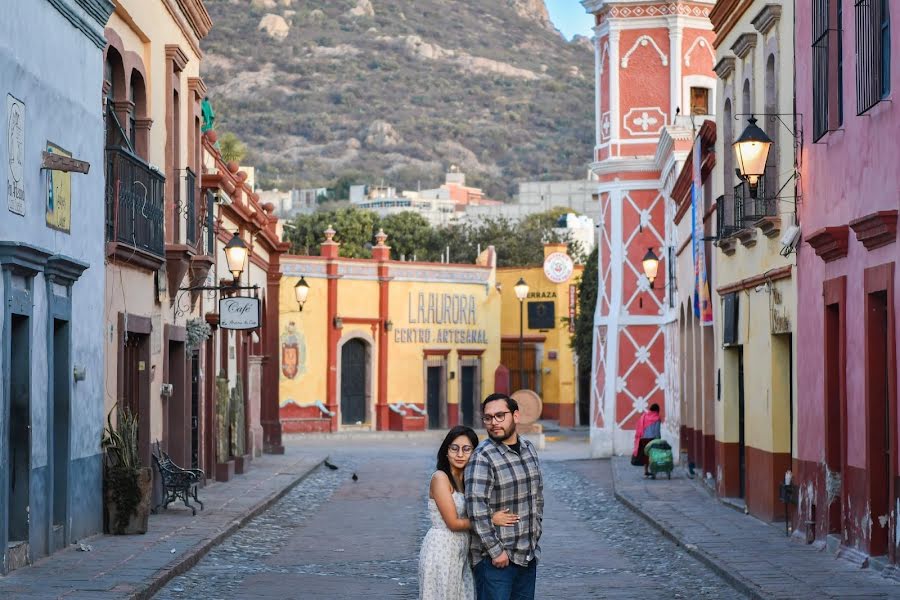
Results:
x,y
255,443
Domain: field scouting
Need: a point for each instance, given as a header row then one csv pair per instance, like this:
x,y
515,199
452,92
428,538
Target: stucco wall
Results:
x,y
59,81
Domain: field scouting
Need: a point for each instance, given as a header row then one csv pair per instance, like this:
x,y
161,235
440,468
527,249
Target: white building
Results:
x,y
51,275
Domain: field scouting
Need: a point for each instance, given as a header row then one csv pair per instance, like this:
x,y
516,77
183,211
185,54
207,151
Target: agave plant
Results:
x,y
121,441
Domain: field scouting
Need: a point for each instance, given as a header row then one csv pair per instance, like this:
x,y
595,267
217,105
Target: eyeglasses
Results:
x,y
496,418
456,449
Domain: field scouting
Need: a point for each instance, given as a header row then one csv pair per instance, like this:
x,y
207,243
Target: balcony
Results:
x,y
135,196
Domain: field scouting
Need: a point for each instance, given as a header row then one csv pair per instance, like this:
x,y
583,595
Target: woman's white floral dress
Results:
x,y
444,570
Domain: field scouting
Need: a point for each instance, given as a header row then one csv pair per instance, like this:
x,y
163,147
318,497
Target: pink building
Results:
x,y
653,71
846,465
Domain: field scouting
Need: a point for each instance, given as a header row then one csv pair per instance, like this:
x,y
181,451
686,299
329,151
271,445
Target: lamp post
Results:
x,y
521,289
752,153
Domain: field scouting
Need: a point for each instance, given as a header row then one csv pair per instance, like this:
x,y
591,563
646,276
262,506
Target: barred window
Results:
x,y
820,65
873,53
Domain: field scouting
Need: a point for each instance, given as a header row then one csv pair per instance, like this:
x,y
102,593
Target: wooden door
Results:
x,y
354,374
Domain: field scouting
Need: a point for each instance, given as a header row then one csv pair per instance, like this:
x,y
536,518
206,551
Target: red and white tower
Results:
x,y
653,68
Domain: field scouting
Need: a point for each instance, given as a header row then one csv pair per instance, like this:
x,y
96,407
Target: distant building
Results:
x,y
540,196
290,203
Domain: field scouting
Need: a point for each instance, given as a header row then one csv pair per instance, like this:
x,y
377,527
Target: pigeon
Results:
x,y
329,465
355,478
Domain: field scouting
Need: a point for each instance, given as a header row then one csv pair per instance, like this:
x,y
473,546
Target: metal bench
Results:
x,y
177,482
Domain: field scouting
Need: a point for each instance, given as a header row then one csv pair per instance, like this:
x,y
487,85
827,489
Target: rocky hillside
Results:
x,y
398,90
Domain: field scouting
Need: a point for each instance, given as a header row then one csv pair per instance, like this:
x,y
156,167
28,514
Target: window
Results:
x,y
820,66
699,101
873,53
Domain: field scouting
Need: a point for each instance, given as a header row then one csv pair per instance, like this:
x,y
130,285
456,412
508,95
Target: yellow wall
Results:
x,y
359,299
558,376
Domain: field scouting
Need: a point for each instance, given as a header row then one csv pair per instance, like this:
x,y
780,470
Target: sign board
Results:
x,y
573,294
558,267
15,148
239,313
59,194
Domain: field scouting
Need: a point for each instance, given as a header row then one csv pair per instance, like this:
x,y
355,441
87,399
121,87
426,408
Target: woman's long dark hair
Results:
x,y
443,463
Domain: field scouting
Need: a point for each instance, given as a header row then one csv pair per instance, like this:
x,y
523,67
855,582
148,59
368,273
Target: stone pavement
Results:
x,y
754,556
136,566
332,537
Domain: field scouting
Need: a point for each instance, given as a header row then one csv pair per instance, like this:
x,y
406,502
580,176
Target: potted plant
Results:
x,y
126,482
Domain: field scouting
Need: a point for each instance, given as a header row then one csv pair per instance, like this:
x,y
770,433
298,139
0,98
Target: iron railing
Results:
x,y
135,201
872,54
210,223
726,224
763,204
190,196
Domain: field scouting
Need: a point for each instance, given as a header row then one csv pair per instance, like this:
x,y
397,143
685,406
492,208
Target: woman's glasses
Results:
x,y
460,449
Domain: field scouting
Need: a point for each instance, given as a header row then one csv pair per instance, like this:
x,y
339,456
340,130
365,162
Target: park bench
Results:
x,y
177,482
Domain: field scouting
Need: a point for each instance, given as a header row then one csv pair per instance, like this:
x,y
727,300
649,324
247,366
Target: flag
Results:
x,y
702,302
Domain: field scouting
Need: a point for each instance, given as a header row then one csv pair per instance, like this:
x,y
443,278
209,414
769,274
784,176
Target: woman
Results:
x,y
444,569
647,430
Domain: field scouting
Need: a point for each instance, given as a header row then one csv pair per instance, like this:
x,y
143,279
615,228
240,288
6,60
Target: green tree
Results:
x,y
409,234
354,229
582,341
232,148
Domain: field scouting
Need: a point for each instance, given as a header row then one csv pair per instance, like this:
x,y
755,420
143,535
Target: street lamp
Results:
x,y
236,255
752,152
651,265
301,291
521,289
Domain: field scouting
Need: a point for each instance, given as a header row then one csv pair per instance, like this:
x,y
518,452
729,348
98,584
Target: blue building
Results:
x,y
51,274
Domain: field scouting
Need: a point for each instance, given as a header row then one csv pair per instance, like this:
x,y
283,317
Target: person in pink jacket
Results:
x,y
648,429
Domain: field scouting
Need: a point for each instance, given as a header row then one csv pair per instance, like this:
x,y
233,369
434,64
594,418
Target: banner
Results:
x,y
702,302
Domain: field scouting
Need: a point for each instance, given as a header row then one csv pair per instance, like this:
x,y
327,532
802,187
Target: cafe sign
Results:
x,y
239,313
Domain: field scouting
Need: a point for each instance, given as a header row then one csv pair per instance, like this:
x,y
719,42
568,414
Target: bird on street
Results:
x,y
329,465
355,478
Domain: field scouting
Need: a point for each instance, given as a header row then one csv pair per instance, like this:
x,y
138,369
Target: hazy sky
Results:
x,y
570,17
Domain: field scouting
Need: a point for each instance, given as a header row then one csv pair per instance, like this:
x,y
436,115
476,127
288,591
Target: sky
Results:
x,y
570,17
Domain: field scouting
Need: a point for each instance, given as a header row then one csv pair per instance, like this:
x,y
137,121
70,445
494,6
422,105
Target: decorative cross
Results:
x,y
645,121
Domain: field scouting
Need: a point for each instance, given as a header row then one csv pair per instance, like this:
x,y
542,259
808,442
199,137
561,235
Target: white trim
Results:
x,y
642,41
372,354
702,42
646,124
613,84
598,70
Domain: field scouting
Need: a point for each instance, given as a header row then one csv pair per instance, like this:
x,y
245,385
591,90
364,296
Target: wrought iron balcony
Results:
x,y
764,204
135,196
190,206
727,216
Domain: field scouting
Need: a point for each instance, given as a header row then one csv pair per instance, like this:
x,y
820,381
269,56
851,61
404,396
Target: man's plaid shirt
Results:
x,y
496,479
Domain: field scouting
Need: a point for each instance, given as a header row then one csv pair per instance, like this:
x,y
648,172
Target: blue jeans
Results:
x,y
512,583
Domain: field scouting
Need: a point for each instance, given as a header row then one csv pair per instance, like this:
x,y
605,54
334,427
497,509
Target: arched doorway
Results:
x,y
354,382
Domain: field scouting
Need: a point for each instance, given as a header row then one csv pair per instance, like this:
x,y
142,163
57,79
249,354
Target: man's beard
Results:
x,y
505,436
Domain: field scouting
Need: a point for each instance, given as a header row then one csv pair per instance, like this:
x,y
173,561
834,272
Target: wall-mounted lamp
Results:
x,y
338,322
452,374
651,265
388,325
301,291
752,153
79,373
236,255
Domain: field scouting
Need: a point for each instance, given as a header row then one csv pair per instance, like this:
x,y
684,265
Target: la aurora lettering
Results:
x,y
441,309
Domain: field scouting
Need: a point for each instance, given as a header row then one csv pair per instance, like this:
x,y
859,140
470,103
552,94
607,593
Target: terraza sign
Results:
x,y
239,313
454,311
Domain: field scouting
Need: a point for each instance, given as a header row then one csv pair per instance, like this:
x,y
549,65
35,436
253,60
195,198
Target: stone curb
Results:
x,y
186,561
742,584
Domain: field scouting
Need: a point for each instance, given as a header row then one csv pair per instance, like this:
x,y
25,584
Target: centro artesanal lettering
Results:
x,y
441,309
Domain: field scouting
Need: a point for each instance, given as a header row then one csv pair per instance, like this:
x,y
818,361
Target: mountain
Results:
x,y
396,91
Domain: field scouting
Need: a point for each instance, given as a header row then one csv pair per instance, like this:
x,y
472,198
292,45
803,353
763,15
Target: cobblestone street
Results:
x,y
331,537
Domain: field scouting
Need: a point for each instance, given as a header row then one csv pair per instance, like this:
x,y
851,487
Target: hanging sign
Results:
x,y
15,148
239,313
59,194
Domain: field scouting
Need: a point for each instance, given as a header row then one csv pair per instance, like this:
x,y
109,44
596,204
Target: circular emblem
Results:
x,y
558,267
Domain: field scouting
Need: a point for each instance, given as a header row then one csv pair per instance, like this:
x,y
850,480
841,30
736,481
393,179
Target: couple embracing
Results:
x,y
486,504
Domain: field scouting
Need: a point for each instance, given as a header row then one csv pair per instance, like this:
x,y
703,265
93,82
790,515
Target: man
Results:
x,y
504,474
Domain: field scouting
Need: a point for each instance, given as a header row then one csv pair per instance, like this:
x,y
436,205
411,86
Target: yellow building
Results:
x,y
152,95
382,344
547,314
